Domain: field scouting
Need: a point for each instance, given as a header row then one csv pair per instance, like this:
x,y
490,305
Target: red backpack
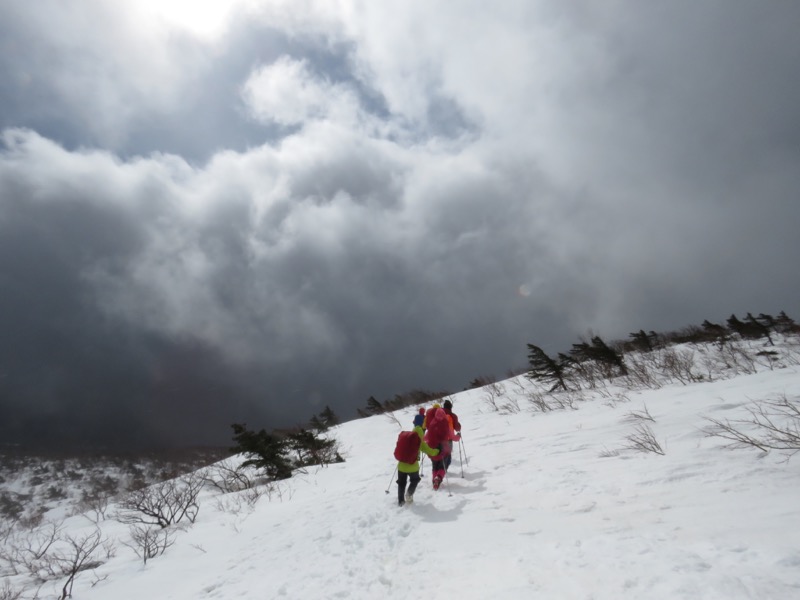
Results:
x,y
407,448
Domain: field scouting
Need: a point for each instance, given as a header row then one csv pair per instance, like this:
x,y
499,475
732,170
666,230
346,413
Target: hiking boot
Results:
x,y
400,503
437,481
410,498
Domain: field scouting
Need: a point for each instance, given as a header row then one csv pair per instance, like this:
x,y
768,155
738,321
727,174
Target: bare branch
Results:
x,y
642,415
491,393
79,555
728,431
775,425
9,593
227,477
644,440
148,541
393,418
163,504
30,552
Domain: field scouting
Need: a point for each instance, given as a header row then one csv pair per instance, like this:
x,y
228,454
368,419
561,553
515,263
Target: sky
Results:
x,y
243,211
551,505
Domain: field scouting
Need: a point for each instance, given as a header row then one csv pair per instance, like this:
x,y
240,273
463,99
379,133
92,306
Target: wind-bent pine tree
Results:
x,y
785,324
545,369
374,407
714,331
747,330
760,326
598,352
641,341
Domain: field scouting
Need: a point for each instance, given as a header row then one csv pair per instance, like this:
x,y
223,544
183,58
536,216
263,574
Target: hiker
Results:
x,y
455,431
409,471
437,436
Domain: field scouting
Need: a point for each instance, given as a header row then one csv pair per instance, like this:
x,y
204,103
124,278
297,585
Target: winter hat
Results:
x,y
422,410
437,405
448,405
419,420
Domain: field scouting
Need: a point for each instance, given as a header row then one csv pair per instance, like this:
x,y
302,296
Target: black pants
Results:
x,y
449,458
402,480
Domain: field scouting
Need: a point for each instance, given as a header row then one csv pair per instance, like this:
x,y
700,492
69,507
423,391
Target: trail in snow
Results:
x,y
551,505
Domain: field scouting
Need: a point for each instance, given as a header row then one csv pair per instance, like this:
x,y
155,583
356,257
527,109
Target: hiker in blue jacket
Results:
x,y
410,471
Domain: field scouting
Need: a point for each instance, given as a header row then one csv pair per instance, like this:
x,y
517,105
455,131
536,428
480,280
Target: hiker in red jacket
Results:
x,y
410,470
437,436
455,431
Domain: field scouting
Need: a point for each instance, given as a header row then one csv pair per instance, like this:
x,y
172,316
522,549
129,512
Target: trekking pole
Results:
x,y
461,441
447,482
421,464
460,459
390,481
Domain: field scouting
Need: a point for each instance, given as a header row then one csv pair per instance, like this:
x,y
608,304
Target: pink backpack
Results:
x,y
438,429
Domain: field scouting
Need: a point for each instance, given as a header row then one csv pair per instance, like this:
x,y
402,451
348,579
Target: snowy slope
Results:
x,y
551,505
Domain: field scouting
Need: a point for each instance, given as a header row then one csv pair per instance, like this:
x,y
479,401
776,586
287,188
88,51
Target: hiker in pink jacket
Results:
x,y
455,431
438,436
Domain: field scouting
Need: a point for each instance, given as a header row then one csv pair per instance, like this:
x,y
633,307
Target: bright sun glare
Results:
x,y
205,18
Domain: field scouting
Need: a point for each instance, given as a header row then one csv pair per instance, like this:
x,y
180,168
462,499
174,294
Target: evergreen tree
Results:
x,y
374,407
735,325
767,321
312,449
598,352
329,417
545,369
655,339
759,328
316,423
266,451
746,330
785,324
480,382
324,420
641,341
714,329
715,332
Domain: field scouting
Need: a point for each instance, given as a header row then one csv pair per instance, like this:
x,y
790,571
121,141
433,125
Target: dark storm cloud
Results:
x,y
68,374
707,131
318,207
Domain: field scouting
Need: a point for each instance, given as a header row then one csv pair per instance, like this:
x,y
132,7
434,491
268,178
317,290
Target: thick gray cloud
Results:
x,y
315,203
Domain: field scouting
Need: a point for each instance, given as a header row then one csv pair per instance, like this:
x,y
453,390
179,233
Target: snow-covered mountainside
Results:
x,y
615,491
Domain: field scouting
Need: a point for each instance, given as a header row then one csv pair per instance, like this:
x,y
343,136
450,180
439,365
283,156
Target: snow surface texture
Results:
x,y
550,505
